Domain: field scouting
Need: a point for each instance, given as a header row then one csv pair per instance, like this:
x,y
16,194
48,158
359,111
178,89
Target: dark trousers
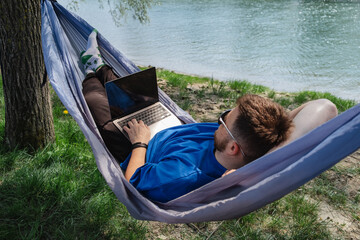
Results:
x,y
95,96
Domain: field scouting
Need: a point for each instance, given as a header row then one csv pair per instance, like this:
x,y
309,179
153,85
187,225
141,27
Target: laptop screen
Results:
x,y
132,93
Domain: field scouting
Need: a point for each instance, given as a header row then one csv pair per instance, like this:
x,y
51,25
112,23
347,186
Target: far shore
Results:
x,y
196,77
196,93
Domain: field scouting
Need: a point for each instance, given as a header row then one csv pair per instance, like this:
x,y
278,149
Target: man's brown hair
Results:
x,y
262,124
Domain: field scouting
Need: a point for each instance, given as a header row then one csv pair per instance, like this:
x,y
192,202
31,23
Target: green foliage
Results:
x,y
119,9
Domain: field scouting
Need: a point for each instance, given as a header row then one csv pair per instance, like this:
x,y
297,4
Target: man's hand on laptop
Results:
x,y
138,131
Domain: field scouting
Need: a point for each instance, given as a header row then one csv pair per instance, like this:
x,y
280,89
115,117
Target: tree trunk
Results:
x,y
28,114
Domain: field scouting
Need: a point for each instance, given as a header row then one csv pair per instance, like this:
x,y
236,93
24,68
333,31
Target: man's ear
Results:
x,y
232,148
234,153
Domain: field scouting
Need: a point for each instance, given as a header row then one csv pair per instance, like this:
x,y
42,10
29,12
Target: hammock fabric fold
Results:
x,y
64,36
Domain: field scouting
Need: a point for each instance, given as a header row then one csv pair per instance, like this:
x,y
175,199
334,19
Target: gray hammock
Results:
x,y
64,36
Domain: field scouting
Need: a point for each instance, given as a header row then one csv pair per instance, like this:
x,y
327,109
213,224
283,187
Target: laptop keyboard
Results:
x,y
151,115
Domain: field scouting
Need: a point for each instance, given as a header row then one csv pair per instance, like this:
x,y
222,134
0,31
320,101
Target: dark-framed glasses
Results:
x,y
221,121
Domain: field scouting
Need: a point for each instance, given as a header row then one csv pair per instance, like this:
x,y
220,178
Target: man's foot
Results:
x,y
91,58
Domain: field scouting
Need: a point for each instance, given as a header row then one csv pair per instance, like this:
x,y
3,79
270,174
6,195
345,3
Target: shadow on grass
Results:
x,y
57,192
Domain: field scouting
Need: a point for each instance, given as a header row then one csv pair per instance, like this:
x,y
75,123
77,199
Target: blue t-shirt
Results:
x,y
178,160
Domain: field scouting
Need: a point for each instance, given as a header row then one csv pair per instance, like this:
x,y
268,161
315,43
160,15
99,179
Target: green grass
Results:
x,y
292,217
246,87
323,186
58,193
179,79
341,104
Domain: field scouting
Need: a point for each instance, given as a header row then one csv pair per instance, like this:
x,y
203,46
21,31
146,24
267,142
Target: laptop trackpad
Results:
x,y
168,122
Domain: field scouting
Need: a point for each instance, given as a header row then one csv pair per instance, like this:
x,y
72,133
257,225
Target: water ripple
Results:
x,y
292,45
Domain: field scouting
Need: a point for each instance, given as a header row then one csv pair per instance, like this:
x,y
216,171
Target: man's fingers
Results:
x,y
134,122
142,123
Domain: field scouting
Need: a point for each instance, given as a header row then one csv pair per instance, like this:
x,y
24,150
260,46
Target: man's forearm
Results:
x,y
138,133
137,160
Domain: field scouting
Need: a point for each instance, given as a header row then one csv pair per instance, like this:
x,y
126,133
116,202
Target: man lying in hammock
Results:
x,y
183,158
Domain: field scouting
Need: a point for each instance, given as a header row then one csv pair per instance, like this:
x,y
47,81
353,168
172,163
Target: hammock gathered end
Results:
x,y
64,36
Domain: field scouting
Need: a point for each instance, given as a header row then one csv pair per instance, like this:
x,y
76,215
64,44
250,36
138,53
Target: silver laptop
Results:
x,y
136,96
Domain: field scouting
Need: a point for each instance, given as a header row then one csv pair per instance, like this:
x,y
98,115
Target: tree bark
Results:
x,y
28,114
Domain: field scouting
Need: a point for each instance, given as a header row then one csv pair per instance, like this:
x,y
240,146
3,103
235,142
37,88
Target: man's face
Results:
x,y
220,142
221,136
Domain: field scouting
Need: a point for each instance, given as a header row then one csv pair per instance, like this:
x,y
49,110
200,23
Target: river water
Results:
x,y
286,45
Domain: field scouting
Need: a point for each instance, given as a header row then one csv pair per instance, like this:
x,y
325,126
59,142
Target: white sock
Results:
x,y
91,58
